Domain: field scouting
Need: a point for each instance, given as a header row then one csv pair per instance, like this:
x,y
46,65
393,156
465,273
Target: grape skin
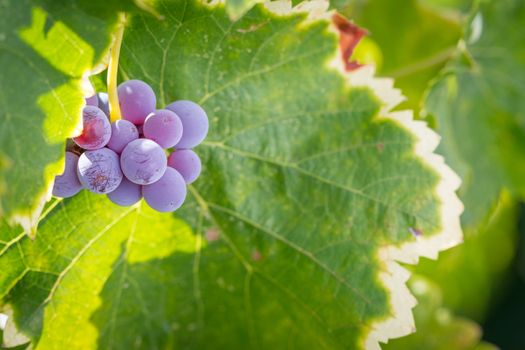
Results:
x,y
143,161
137,100
67,184
92,101
164,127
122,133
103,102
99,170
167,194
194,123
187,163
126,194
96,130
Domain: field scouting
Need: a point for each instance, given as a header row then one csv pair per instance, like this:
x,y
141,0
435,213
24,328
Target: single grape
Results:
x,y
99,170
92,101
137,100
187,163
168,193
194,123
143,161
103,102
96,130
164,127
126,194
67,184
122,133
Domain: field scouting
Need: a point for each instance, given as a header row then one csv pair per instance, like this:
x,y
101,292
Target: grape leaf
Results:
x,y
479,106
463,6
311,192
47,48
237,8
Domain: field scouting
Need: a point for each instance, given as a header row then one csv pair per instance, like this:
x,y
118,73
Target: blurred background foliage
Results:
x,y
461,65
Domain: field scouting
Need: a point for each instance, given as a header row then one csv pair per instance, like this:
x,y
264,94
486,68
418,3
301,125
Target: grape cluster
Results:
x,y
127,159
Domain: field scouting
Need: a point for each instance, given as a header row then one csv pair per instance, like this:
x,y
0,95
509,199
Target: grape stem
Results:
x,y
114,107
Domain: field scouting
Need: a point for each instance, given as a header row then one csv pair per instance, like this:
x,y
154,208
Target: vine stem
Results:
x,y
114,107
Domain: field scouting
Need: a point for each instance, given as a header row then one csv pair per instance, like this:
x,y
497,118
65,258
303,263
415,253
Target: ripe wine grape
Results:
x,y
96,130
122,133
164,127
92,101
67,184
137,100
194,123
126,194
168,193
143,161
187,163
99,170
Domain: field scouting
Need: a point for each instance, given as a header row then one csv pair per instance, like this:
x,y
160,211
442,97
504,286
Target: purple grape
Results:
x,y
92,101
137,100
122,133
103,102
126,194
164,127
67,184
143,161
96,130
168,193
187,163
194,123
99,170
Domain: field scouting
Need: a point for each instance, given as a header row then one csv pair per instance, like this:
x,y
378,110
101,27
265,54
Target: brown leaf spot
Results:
x,y
349,36
212,234
252,28
256,255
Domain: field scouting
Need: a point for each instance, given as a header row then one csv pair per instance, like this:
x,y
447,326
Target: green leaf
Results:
x,y
237,8
311,192
462,5
46,48
414,41
437,327
479,102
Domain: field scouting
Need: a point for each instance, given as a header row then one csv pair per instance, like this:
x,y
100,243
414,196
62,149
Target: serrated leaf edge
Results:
x,y
394,277
28,218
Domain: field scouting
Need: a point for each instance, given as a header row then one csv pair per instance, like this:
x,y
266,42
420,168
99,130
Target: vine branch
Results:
x,y
114,107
